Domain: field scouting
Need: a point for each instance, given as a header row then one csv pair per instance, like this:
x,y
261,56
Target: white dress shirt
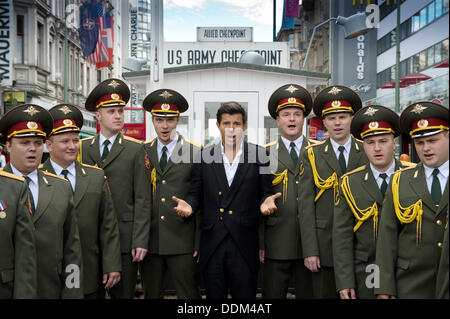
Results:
x,y
298,144
230,169
376,174
102,139
72,172
442,176
170,147
346,152
34,184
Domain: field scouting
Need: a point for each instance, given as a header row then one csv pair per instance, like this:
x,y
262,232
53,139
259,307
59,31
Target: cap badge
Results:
x,y
165,107
292,100
2,215
114,84
31,110
65,109
291,89
115,96
67,122
336,103
165,95
334,90
32,125
370,111
422,123
418,109
373,125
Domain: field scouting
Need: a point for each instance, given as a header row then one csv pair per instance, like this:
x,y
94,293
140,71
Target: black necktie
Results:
x,y
436,192
342,159
384,185
105,149
28,180
65,173
293,154
163,160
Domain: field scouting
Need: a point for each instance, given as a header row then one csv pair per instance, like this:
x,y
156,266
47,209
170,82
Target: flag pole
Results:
x,y
66,56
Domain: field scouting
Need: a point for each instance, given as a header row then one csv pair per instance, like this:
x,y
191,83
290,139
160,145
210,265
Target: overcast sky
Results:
x,y
182,17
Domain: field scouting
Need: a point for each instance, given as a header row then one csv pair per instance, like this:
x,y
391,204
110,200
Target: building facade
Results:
x,y
424,52
38,65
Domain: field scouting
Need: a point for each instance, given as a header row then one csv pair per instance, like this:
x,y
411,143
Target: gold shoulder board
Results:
x,y
316,144
356,170
408,164
132,139
12,176
90,166
193,143
270,144
53,175
149,141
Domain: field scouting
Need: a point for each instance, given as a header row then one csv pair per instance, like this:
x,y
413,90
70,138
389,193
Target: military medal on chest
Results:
x,y
2,209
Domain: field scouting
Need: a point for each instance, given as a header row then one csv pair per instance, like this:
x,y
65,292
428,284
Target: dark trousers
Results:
x,y
324,284
126,287
277,275
182,269
227,271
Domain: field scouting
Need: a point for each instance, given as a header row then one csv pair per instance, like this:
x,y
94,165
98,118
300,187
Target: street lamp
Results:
x,y
354,26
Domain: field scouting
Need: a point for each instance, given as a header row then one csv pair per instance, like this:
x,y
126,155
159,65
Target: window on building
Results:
x,y
99,76
88,78
445,49
445,6
20,39
50,58
291,41
415,22
438,52
431,12
40,44
430,56
423,17
422,59
438,6
60,60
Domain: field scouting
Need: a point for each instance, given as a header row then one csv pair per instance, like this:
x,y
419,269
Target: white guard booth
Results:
x,y
206,86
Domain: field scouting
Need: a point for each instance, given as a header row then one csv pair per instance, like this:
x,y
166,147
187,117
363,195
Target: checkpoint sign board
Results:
x,y
234,34
190,53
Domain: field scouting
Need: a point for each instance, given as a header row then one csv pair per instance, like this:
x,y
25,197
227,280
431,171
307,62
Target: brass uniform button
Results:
x,y
220,193
230,212
439,222
221,210
440,245
221,218
296,182
163,218
163,200
164,181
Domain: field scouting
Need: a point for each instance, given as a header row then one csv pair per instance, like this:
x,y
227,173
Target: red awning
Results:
x,y
413,78
391,85
442,65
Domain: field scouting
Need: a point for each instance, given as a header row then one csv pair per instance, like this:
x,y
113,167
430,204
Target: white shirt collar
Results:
x,y
347,145
33,175
443,169
388,172
102,139
58,169
238,155
170,146
298,143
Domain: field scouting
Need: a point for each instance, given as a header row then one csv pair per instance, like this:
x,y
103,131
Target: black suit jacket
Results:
x,y
234,209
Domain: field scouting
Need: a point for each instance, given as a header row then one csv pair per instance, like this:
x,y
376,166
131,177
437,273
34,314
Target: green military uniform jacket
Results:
x,y
130,198
442,276
280,232
18,273
408,269
353,251
170,234
57,239
97,224
316,218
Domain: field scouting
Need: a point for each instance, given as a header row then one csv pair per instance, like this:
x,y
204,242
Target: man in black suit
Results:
x,y
231,183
